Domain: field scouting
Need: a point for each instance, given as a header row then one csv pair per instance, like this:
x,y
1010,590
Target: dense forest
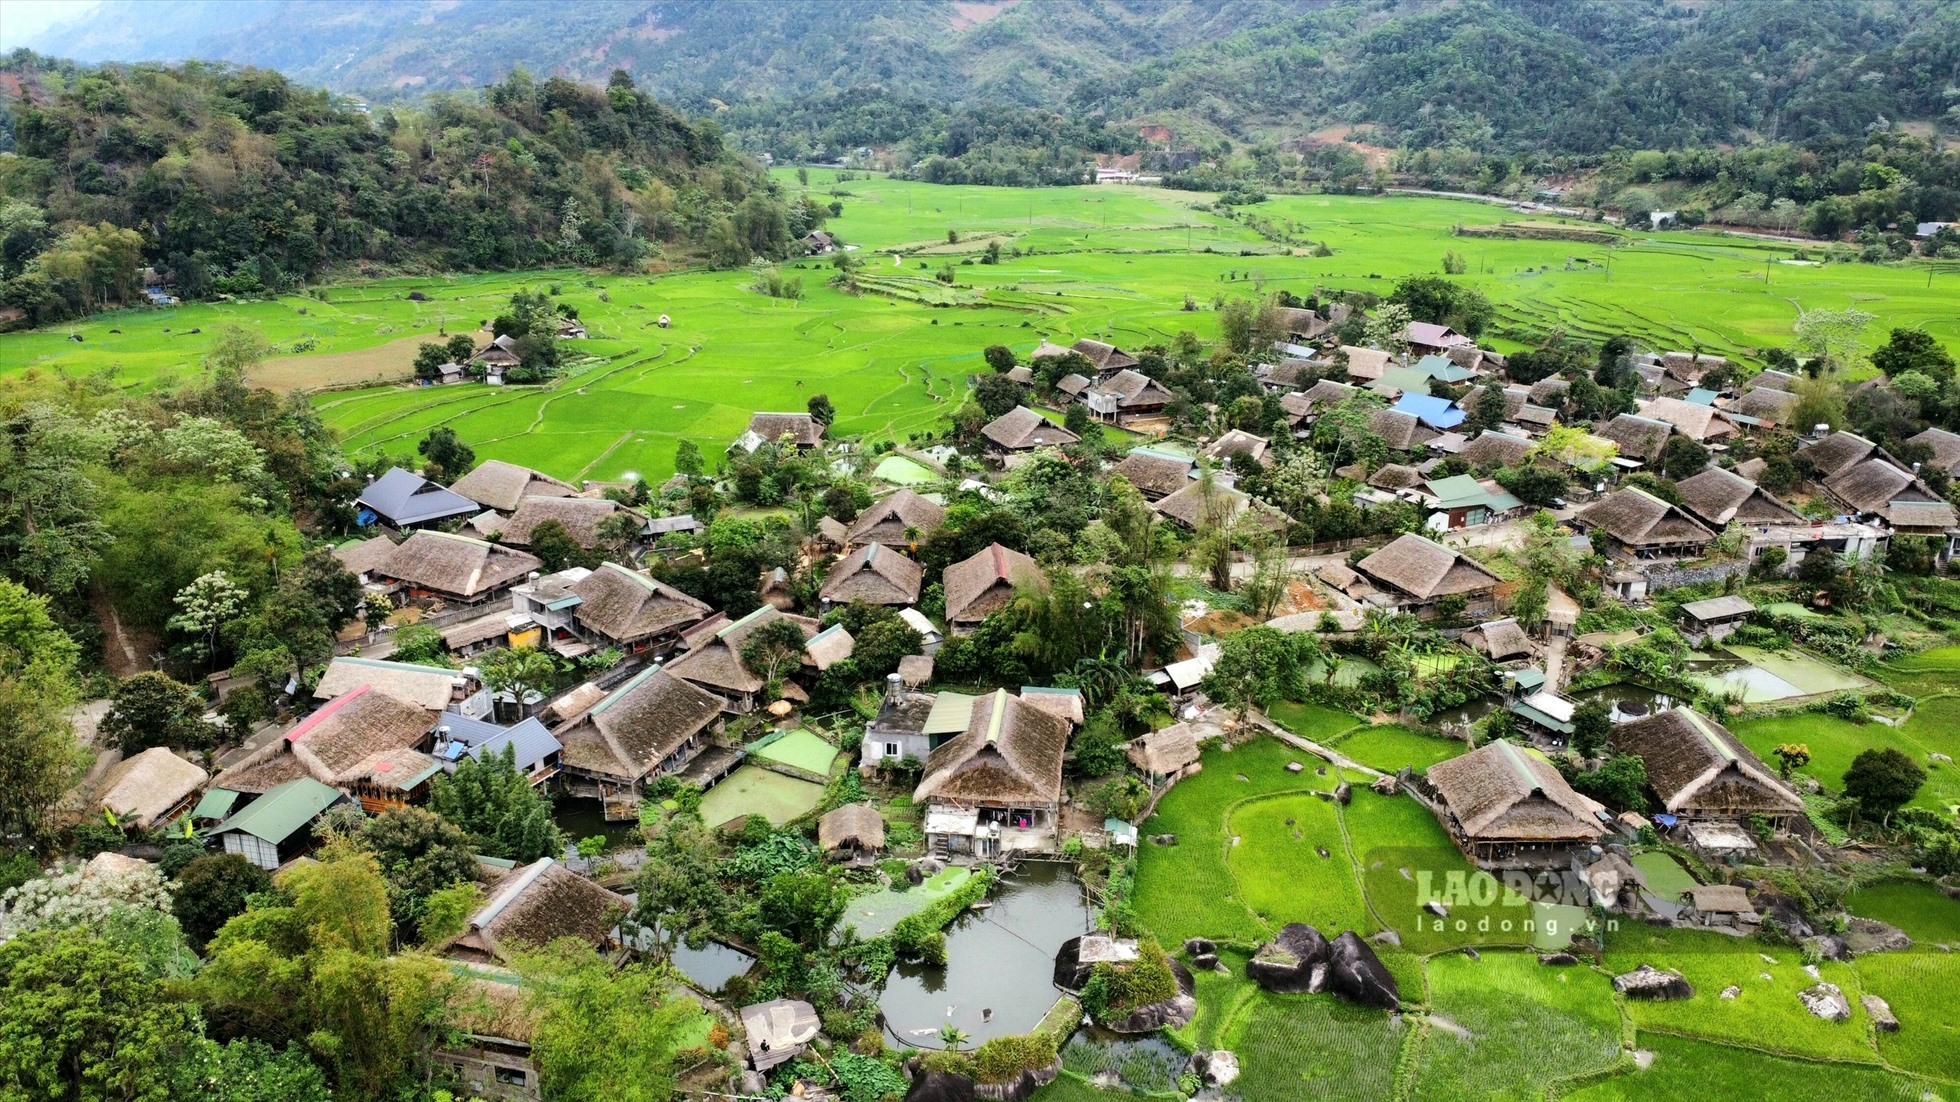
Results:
x,y
232,180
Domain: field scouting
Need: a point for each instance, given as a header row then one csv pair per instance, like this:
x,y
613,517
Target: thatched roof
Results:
x,y
1395,476
1046,349
1022,429
341,743
1238,442
829,647
1155,473
1720,899
1165,751
1837,452
1499,640
1492,449
1871,486
1322,394
1132,389
364,556
626,606
874,574
1073,384
1639,519
1400,430
714,659
1549,391
1010,754
535,905
1194,507
1302,324
1920,515
1689,367
1426,570
1063,704
141,790
502,486
456,566
980,586
1945,447
1106,357
581,517
1289,372
1366,363
915,670
1774,380
428,687
1717,497
1696,766
856,825
638,726
802,429
1501,792
892,516
1639,438
1696,422
1774,406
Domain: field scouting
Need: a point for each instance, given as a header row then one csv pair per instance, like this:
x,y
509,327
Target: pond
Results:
x,y
1629,701
1455,721
1149,1064
999,960
583,818
712,965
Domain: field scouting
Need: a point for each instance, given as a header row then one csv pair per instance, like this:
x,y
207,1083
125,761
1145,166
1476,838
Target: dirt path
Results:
x,y
124,651
1258,719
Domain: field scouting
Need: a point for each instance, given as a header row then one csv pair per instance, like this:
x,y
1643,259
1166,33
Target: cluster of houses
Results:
x,y
499,356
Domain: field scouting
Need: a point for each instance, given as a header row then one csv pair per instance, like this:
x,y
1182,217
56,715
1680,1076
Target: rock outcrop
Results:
x,y
1654,984
1826,1001
1172,1013
1359,976
1865,935
1882,1017
1293,963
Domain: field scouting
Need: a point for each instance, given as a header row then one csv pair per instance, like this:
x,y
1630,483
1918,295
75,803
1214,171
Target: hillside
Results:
x,y
241,181
1548,76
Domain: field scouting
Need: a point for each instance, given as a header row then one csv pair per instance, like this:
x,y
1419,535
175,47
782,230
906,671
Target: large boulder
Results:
x,y
1293,963
1865,935
1882,1017
940,1086
1215,1069
1358,975
1826,1001
1070,972
1173,1013
1649,982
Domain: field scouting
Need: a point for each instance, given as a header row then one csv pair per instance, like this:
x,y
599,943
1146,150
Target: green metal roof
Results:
x,y
950,714
1464,492
216,804
282,812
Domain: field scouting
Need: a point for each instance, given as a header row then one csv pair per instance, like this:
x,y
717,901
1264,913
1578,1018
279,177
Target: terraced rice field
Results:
x,y
1109,262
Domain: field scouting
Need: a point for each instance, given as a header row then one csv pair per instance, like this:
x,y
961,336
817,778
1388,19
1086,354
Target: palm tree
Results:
x,y
953,1037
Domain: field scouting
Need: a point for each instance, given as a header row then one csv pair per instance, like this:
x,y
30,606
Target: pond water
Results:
x,y
1629,701
582,818
1148,1064
1001,959
1455,721
713,965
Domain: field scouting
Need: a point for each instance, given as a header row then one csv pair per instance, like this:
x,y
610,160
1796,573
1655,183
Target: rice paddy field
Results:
x,y
1496,1023
1109,262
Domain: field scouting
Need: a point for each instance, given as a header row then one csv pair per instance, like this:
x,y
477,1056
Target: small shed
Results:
x,y
150,788
1164,756
853,831
1715,619
778,1031
915,670
276,827
1722,905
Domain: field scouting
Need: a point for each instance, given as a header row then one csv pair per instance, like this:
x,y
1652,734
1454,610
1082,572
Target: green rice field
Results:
x,y
753,790
1108,262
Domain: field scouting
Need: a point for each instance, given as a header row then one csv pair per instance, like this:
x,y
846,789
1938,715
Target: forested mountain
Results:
x,y
241,181
1507,76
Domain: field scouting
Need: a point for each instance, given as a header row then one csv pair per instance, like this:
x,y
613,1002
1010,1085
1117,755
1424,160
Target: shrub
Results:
x,y
1116,990
1003,1059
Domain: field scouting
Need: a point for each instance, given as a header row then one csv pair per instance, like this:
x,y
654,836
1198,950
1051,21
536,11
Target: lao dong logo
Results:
x,y
1547,906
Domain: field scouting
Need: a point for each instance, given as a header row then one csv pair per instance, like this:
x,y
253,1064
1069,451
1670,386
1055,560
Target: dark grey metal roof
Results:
x,y
404,497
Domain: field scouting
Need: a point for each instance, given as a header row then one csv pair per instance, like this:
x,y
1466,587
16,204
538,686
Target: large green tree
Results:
x,y
504,814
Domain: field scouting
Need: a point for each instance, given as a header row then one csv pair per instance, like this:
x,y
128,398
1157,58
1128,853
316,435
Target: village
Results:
x,y
898,753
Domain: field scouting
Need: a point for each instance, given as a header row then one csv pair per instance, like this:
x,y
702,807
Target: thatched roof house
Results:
x,y
856,827
1063,704
1701,771
1640,438
1166,753
1366,364
1237,443
149,788
1718,497
1644,525
535,905
1945,447
456,567
1421,571
1702,424
1107,358
629,608
1197,506
364,557
1323,395
1394,476
829,647
1288,374
1010,755
1880,487
1399,429
1549,391
1128,393
344,742
874,574
1154,473
1492,449
897,519
1499,640
1772,407
433,688
1506,805
982,585
1021,429
799,429
651,725
1837,452
502,486
580,516
714,657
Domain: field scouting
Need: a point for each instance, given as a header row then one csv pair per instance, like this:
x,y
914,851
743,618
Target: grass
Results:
x,y
1313,1046
1390,748
1526,1024
1834,742
1312,722
1112,263
1685,1070
752,790
1405,859
1666,877
1279,869
799,750
1915,906
1918,985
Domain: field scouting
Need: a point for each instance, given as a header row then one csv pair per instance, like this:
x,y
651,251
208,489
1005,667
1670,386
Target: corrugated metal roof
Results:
x,y
282,812
950,714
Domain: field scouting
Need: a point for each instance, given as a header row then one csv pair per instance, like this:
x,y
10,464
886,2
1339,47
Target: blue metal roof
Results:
x,y
403,497
529,740
1437,413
